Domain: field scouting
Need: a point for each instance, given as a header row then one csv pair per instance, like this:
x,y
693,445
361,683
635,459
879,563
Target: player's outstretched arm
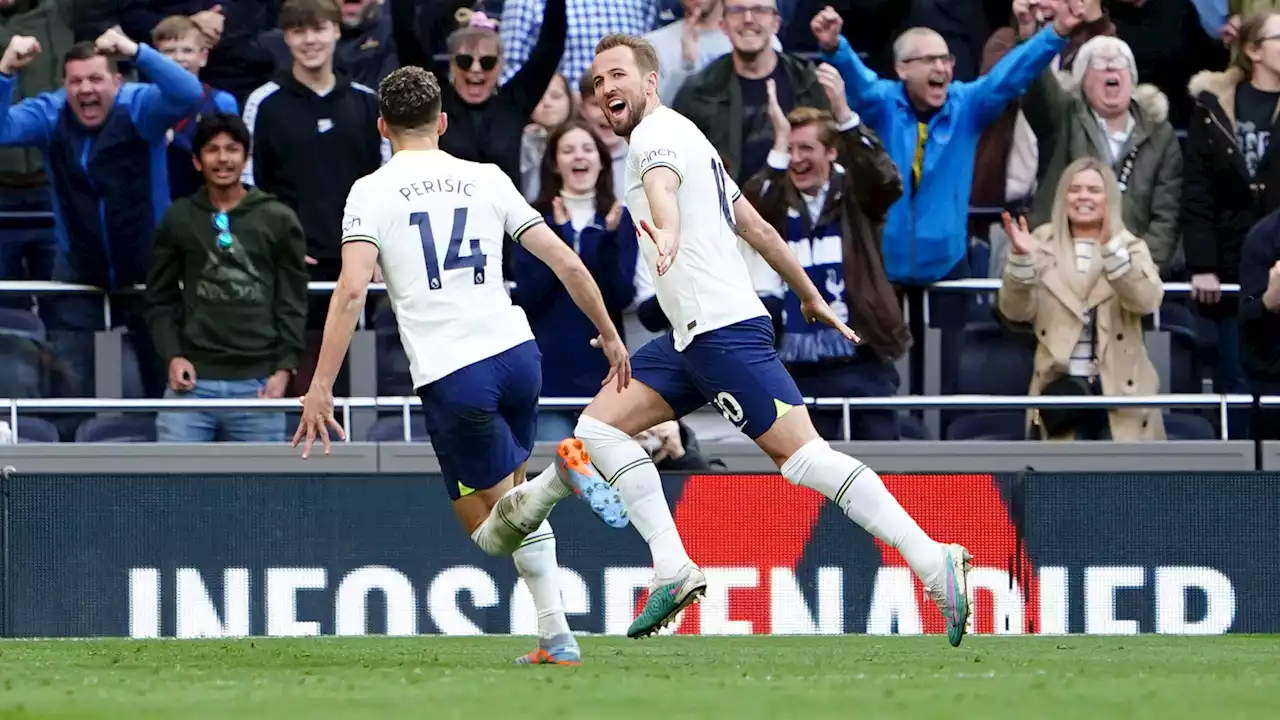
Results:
x,y
661,183
565,263
765,239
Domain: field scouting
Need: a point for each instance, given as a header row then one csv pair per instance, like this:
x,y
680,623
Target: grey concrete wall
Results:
x,y
367,458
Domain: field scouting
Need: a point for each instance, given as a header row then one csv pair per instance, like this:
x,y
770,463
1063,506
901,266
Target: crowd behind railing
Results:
x,y
1074,203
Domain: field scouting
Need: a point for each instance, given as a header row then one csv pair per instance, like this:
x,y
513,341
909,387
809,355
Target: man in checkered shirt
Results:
x,y
589,20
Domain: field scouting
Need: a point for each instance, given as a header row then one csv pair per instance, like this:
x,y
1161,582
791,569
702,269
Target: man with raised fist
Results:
x,y
103,144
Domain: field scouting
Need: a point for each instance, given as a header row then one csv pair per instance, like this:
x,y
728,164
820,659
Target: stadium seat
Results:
x,y
391,429
1185,426
130,371
1007,425
993,361
22,323
393,364
127,428
910,428
32,429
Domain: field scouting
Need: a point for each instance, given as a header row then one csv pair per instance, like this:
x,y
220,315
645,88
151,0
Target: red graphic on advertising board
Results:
x,y
765,522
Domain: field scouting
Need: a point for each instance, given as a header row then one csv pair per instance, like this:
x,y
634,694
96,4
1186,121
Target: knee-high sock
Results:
x,y
520,512
631,472
536,562
862,496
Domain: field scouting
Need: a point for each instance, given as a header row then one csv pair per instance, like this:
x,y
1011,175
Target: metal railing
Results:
x,y
404,404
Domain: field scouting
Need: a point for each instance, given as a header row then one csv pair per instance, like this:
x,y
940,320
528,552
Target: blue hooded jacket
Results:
x,y
926,233
570,366
110,184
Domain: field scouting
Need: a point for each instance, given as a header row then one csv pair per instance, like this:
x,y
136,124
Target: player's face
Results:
x,y
91,90
620,88
1086,199
925,70
554,107
810,159
475,68
312,47
221,161
578,162
188,51
750,25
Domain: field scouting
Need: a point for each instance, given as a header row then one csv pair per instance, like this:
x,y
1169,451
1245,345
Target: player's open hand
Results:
x,y
666,242
615,351
317,419
820,311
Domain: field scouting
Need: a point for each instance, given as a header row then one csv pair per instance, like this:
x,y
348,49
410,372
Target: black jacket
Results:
x,y
238,63
309,150
1259,327
1220,201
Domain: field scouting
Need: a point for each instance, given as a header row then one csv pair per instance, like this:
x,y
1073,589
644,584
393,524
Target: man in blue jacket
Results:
x,y
931,127
103,144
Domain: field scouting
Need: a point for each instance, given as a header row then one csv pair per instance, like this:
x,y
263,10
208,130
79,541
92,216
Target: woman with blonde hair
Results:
x,y
1085,283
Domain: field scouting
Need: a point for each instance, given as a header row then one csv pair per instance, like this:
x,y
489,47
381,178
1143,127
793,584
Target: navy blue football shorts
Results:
x,y
735,368
482,418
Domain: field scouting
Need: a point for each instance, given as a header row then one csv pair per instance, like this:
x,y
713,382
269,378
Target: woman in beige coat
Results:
x,y
1082,268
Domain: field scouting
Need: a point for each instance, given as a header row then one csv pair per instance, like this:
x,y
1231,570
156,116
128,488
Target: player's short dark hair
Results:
x,y
409,98
641,49
300,14
211,126
86,50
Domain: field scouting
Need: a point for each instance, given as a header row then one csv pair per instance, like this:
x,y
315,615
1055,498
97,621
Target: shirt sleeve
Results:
x,y
358,221
653,148
516,213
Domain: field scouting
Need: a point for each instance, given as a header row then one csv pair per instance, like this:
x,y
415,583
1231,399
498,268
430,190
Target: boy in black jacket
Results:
x,y
234,328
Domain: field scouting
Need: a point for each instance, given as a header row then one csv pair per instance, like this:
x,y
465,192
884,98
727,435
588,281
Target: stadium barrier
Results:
x,y
177,555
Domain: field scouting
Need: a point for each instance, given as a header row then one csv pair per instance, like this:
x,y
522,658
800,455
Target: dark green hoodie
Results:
x,y
241,310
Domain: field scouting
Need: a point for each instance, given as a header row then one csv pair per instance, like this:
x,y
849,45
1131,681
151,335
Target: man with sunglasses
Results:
x,y
226,294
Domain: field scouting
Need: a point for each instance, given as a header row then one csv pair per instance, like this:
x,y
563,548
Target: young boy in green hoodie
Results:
x,y
234,328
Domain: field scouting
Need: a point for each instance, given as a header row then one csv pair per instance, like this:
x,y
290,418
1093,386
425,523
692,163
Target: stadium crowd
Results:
x,y
1081,151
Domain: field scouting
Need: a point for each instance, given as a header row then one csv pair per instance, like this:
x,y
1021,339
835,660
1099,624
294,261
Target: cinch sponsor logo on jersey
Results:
x,y
653,156
350,223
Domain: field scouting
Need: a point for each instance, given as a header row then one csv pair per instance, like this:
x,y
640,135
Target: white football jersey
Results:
x,y
708,286
438,223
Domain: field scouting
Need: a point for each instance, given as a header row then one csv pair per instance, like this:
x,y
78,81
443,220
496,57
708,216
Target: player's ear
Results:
x,y
382,128
442,124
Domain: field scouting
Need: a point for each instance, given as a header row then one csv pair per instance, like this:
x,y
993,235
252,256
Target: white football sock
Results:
x,y
631,471
536,563
533,500
499,534
861,495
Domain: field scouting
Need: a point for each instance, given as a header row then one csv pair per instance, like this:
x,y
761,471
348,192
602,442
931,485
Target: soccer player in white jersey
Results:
x,y
435,225
720,349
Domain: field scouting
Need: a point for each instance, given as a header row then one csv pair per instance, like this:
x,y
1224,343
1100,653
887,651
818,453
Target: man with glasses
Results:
x,y
931,128
736,119
226,294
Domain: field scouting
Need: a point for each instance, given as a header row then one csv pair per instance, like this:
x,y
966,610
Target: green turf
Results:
x,y
668,677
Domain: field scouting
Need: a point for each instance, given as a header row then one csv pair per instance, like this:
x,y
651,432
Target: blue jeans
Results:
x,y
203,427
556,425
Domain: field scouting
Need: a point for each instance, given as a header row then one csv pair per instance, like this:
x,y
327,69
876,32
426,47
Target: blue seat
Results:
x,y
127,428
993,361
1008,425
22,323
393,364
1186,426
910,428
391,429
32,429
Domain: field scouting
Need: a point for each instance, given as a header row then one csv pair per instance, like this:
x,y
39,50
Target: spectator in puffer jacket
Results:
x,y
577,197
103,143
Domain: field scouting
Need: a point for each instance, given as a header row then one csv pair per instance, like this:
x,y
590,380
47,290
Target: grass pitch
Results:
x,y
667,677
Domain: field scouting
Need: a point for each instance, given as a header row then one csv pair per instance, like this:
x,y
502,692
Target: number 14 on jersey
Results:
x,y
453,259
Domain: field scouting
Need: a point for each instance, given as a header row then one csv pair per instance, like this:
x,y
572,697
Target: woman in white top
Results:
x,y
1085,283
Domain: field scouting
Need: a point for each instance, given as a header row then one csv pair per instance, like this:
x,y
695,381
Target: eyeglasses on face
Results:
x,y
1108,63
466,61
947,59
223,225
741,11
